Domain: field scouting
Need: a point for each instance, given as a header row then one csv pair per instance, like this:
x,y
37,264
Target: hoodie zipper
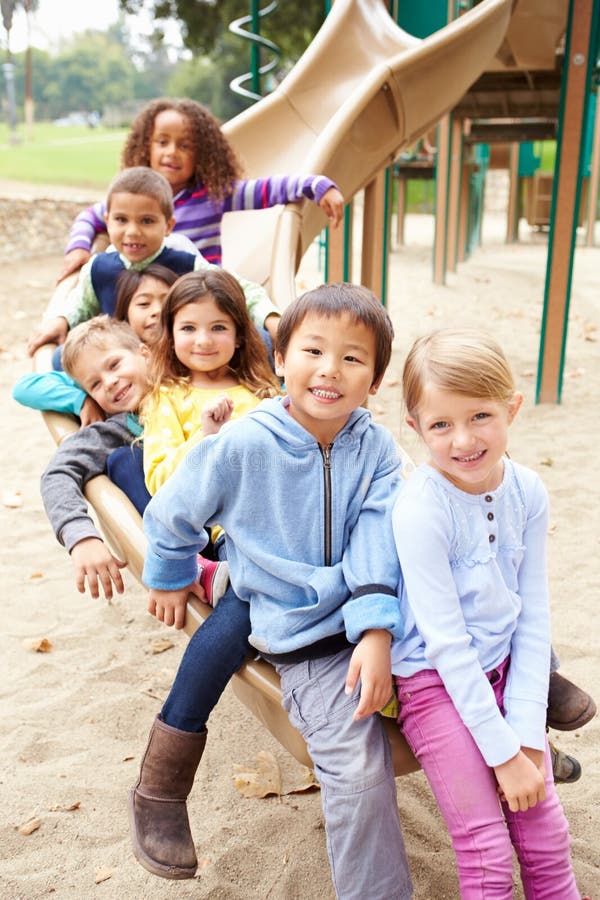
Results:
x,y
326,454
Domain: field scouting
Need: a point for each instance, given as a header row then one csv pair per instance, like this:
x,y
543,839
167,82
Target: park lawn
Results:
x,y
73,155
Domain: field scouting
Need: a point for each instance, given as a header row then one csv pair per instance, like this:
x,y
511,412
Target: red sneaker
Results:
x,y
214,578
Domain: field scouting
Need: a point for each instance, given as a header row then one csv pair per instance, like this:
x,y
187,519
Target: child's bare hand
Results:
x,y
52,332
332,204
520,783
372,664
537,757
95,563
72,262
169,606
215,413
91,412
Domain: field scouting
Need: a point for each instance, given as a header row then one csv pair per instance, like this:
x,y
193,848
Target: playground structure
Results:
x,y
538,86
384,89
391,88
531,89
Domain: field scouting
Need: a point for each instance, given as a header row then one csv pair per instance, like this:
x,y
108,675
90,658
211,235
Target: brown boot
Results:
x,y
568,706
160,828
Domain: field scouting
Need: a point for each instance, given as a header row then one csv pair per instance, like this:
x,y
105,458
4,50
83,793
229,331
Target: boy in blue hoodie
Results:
x,y
302,486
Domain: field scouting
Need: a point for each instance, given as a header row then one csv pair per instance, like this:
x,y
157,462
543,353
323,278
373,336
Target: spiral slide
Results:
x,y
363,90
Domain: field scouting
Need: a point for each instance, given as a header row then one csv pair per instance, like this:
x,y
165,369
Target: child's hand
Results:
x,y
537,757
169,606
332,204
215,413
51,332
94,561
91,412
520,783
372,664
72,262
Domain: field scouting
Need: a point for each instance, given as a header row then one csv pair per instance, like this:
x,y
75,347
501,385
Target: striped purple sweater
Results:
x,y
199,217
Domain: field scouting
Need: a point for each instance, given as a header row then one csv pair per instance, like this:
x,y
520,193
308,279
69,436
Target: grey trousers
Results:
x,y
358,791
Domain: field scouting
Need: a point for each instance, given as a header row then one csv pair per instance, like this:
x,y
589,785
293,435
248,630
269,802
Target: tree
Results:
x,y
291,26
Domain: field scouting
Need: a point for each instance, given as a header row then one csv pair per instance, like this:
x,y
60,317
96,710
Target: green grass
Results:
x,y
77,156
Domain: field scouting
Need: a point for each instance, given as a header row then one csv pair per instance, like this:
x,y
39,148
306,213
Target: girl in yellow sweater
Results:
x,y
209,365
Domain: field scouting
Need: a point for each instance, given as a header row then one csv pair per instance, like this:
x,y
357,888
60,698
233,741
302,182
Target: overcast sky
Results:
x,y
56,20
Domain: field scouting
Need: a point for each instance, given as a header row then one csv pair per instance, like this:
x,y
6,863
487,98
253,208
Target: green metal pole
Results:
x,y
588,59
254,48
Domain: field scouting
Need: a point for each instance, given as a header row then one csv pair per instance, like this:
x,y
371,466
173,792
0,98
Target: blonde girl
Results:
x,y
208,365
472,669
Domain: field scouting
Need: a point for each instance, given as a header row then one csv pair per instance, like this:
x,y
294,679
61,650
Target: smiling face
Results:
x,y
136,225
205,340
173,148
328,370
466,436
114,376
143,313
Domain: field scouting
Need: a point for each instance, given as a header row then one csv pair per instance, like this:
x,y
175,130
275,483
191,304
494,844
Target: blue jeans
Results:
x,y
353,764
215,651
125,468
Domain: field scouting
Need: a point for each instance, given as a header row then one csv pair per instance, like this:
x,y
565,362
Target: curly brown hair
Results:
x,y
249,363
217,165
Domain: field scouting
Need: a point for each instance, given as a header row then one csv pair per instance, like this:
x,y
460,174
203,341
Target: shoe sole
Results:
x,y
586,716
156,868
219,584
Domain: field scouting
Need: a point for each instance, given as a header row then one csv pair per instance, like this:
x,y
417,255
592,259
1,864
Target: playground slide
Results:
x,y
547,20
363,90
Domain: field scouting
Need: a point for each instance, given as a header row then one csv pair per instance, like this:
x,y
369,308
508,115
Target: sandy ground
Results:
x,y
73,721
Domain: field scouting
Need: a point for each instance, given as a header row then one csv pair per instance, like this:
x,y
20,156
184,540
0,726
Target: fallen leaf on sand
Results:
x,y
160,644
265,778
102,875
552,528
575,373
12,499
58,807
547,461
38,645
30,826
262,781
36,576
305,781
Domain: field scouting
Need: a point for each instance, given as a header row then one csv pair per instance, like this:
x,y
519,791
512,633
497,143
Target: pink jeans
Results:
x,y
483,830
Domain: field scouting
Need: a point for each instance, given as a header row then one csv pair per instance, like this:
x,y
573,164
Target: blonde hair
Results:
x,y
101,332
462,360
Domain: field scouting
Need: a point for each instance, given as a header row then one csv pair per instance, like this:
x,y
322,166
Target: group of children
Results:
x,y
316,554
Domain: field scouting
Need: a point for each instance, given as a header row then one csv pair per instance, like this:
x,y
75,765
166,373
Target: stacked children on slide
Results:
x,y
139,221
182,140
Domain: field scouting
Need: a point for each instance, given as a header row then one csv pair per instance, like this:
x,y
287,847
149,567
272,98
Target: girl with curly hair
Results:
x,y
181,139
